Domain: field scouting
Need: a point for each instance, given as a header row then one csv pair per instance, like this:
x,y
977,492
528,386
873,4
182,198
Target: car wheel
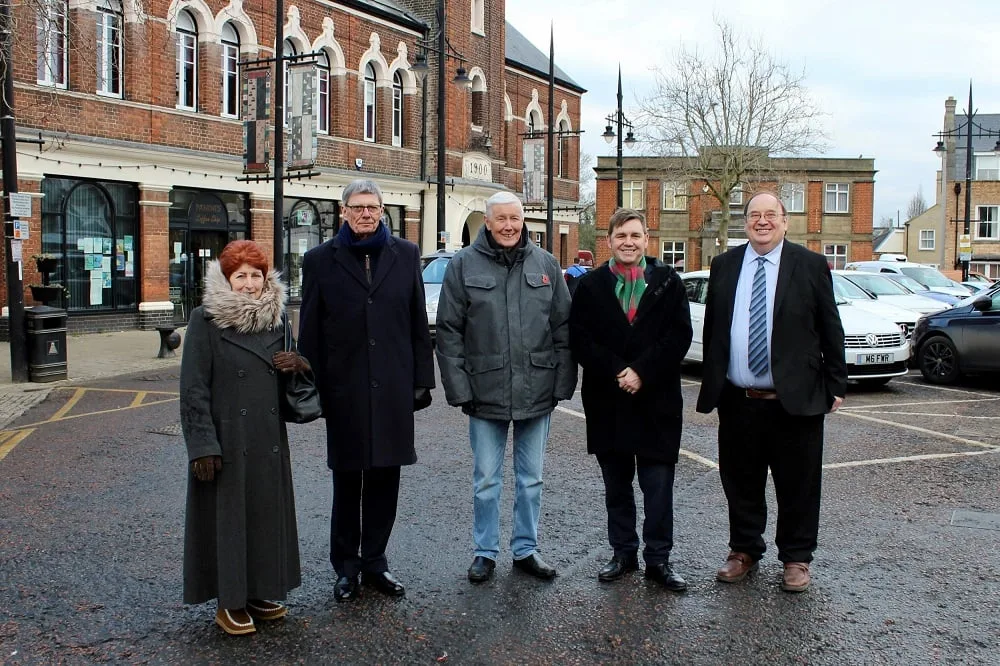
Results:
x,y
938,360
875,382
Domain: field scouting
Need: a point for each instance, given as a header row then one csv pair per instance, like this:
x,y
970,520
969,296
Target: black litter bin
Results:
x,y
46,343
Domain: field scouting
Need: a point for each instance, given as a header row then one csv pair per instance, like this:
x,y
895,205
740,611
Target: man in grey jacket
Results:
x,y
503,351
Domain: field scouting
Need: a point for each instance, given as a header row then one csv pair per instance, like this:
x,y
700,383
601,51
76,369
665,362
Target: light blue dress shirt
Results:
x,y
739,334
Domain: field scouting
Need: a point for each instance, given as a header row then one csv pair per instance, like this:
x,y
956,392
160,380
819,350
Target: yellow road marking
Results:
x,y
70,404
110,390
137,400
11,438
103,411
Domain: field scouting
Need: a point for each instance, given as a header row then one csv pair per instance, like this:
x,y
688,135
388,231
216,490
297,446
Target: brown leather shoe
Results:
x,y
736,568
796,577
235,621
259,609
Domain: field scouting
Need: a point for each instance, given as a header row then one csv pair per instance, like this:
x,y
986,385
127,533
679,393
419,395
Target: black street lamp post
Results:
x,y
617,120
971,129
438,43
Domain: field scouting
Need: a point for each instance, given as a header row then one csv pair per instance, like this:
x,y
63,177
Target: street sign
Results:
x,y
20,204
21,230
15,250
965,243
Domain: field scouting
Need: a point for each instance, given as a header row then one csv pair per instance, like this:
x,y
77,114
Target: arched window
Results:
x,y
369,103
397,109
534,123
287,49
51,29
478,101
323,93
109,48
562,166
187,61
230,71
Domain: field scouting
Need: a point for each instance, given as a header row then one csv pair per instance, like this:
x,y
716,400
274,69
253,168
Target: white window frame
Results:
x,y
989,216
674,195
230,71
51,34
478,17
837,252
927,240
736,195
397,110
793,196
187,62
287,49
561,149
370,109
323,93
674,250
110,53
991,169
631,189
841,193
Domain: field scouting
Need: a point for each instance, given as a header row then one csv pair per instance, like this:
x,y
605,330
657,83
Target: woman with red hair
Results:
x,y
240,539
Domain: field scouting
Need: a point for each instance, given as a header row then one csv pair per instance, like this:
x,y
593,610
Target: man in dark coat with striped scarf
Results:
x,y
629,330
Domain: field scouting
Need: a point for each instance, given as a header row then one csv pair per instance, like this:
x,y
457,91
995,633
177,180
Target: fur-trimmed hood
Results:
x,y
230,309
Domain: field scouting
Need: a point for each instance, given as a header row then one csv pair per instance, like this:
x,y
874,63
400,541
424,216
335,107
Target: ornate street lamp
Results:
x,y
617,119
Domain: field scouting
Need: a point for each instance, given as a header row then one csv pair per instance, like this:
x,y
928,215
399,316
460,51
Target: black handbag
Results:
x,y
300,400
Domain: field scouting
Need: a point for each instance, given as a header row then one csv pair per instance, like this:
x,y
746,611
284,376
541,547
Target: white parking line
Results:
x,y
938,414
922,402
944,388
889,461
925,431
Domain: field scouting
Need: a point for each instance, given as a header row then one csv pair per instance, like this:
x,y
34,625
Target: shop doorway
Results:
x,y
190,253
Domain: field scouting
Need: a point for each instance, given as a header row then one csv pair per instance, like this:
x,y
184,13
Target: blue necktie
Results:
x,y
757,347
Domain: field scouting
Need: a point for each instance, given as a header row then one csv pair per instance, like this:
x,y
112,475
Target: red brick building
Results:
x,y
140,179
830,205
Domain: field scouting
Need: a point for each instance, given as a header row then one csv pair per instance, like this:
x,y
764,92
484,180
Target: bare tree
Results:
x,y
917,205
722,117
586,239
885,222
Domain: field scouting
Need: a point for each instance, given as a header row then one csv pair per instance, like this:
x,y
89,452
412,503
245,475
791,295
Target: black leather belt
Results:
x,y
752,393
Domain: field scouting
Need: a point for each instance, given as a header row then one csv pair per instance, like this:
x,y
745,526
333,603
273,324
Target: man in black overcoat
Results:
x,y
363,327
629,330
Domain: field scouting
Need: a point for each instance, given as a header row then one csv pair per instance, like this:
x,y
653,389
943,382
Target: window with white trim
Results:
x,y
987,166
836,255
926,239
287,49
674,196
478,17
397,109
369,103
187,61
323,93
988,225
837,198
672,254
562,154
51,30
793,195
632,194
230,71
109,48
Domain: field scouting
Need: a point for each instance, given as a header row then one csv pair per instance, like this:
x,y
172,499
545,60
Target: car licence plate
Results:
x,y
874,359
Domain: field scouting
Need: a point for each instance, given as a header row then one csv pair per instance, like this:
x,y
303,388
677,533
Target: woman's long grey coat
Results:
x,y
240,538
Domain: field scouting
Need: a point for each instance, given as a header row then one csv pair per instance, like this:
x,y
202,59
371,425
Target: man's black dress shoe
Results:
x,y
384,582
346,589
664,574
618,566
536,566
481,569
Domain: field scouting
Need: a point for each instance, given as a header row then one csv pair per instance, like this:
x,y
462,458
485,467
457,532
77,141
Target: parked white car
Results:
x,y
876,349
928,276
846,290
892,292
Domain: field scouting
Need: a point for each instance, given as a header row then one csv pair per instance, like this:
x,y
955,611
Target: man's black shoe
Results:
x,y
665,575
481,569
534,565
384,582
346,589
618,566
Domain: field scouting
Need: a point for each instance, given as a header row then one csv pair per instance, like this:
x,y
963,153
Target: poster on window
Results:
x,y
256,100
534,171
303,142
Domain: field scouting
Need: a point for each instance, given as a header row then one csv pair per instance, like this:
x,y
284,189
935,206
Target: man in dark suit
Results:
x,y
774,366
363,327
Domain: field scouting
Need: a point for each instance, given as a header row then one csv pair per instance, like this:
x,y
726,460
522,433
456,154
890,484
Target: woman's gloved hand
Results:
x,y
204,468
289,361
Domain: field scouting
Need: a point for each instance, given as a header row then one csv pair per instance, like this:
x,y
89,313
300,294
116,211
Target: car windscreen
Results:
x,y
879,285
906,281
433,272
844,288
927,276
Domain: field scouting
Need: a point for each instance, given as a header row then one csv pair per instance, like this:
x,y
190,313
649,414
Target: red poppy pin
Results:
x,y
545,278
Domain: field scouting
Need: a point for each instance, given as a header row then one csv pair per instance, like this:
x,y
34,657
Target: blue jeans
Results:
x,y
489,441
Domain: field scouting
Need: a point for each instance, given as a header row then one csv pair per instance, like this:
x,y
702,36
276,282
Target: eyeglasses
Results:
x,y
362,208
770,216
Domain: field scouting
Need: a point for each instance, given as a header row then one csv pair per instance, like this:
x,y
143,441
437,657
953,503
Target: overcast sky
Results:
x,y
881,69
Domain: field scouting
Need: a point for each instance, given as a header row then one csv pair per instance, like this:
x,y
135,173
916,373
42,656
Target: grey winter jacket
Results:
x,y
503,332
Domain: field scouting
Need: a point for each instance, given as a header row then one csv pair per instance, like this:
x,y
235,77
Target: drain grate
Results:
x,y
975,519
173,430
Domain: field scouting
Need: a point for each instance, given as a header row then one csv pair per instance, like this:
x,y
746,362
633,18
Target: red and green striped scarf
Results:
x,y
630,286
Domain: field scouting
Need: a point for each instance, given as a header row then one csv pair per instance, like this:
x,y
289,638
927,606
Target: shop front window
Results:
x,y
308,222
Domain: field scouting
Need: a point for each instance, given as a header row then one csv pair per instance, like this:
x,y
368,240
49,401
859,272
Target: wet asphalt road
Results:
x,y
91,534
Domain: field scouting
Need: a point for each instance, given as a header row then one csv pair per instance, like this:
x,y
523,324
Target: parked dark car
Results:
x,y
963,339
